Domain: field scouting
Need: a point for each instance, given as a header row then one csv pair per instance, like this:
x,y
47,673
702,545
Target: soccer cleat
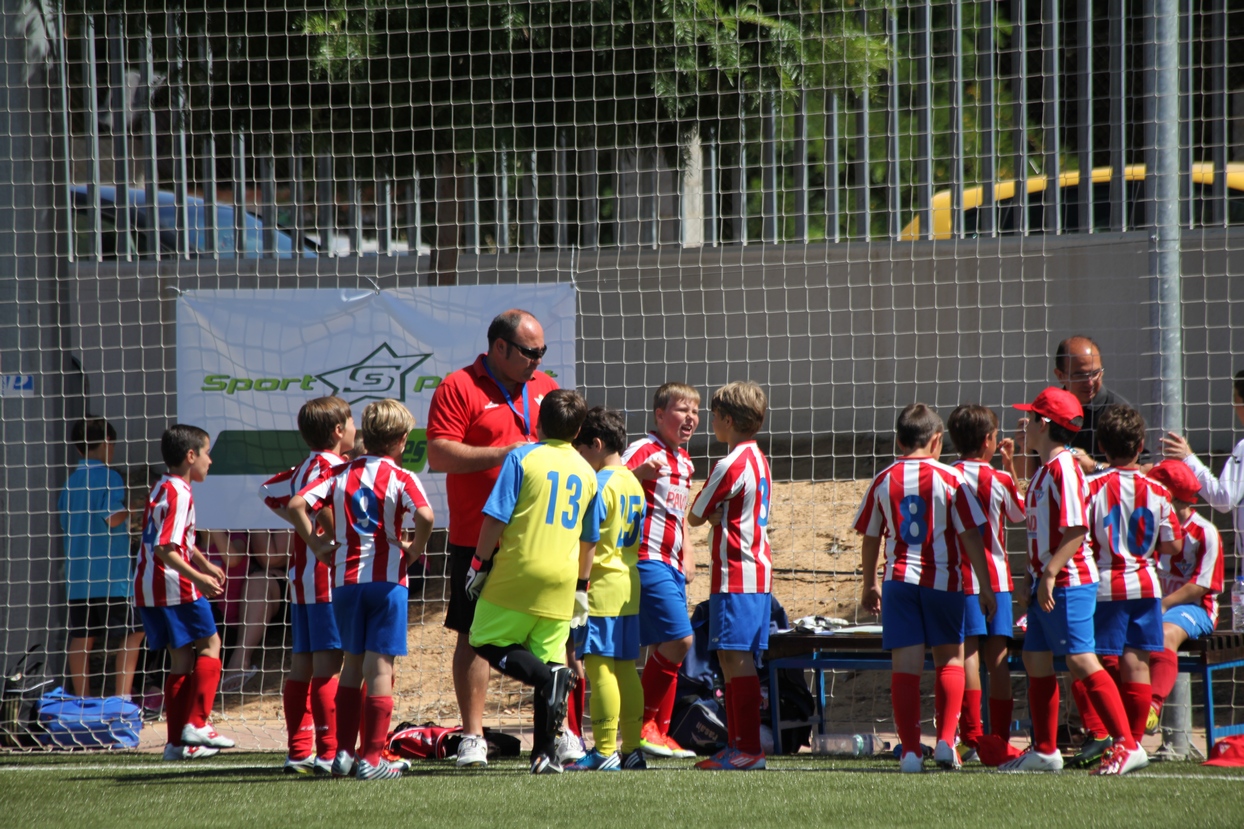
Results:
x,y
595,761
343,764
172,752
731,759
676,751
1033,760
911,762
1120,759
544,764
652,741
1151,724
554,694
967,754
635,761
472,751
205,736
383,770
569,748
1092,749
946,757
304,766
395,760
324,766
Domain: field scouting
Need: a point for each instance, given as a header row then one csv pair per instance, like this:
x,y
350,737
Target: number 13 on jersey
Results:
x,y
574,490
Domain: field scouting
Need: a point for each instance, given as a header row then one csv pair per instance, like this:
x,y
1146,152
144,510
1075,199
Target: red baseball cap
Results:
x,y
1058,405
1178,478
1229,751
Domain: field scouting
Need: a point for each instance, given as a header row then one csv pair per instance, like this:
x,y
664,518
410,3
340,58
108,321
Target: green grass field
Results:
x,y
248,790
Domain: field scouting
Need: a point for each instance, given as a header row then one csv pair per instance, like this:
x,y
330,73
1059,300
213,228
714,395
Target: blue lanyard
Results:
x,y
525,417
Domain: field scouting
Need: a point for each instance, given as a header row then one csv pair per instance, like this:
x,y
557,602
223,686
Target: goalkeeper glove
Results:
x,y
476,577
579,617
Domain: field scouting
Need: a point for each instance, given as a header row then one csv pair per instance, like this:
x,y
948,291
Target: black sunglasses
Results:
x,y
529,353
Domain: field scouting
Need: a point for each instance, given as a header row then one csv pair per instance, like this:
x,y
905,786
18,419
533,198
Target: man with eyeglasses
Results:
x,y
1078,369
477,415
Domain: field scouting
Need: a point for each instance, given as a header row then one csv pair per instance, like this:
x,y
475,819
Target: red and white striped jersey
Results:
x,y
310,582
742,559
168,519
914,503
998,496
1129,515
1057,499
667,498
1200,562
370,498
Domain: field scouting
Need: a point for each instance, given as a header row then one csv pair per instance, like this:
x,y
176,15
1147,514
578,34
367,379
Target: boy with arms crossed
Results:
x,y
666,559
915,503
172,584
310,692
1061,593
369,498
974,430
542,513
736,502
609,642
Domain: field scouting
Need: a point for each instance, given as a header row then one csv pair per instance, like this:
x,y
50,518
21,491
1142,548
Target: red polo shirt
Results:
x,y
469,407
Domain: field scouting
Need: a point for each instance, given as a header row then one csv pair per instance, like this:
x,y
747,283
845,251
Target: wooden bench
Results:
x,y
820,652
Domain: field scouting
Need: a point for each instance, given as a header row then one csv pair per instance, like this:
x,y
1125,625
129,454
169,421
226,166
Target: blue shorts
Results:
x,y
616,637
179,625
1192,618
739,621
371,617
915,615
662,604
315,627
1132,623
975,623
1068,628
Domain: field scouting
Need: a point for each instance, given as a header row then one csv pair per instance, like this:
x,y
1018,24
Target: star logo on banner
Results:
x,y
379,375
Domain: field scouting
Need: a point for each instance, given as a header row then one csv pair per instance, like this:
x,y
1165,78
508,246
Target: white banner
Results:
x,y
248,359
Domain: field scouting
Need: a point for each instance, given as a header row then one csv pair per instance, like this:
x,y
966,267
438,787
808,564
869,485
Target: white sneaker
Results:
x,y
1121,760
343,764
172,752
1033,760
570,748
304,766
912,762
472,751
324,765
205,736
946,757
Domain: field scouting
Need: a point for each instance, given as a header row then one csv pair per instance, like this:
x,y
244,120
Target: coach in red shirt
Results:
x,y
477,415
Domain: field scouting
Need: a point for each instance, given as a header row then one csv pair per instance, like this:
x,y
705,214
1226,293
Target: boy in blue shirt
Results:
x,y
98,582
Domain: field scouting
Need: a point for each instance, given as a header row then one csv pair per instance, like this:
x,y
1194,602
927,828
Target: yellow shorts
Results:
x,y
496,625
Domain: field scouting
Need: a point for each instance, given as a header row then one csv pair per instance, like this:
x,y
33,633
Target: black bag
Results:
x,y
700,726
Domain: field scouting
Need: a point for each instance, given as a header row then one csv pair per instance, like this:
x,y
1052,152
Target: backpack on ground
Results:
x,y
88,722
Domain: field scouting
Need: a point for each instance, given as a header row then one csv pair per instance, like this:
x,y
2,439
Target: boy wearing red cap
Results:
x,y
1064,591
1191,581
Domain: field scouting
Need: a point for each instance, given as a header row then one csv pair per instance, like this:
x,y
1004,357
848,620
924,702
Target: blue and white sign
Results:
x,y
17,385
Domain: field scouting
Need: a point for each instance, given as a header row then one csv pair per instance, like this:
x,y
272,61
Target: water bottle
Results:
x,y
1237,603
847,745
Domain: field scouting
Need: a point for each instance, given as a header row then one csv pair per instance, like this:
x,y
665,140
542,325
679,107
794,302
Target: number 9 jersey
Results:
x,y
742,559
546,496
620,507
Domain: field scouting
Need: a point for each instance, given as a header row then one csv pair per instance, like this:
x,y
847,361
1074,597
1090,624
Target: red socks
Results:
x,y
905,697
1163,669
176,705
378,714
206,679
744,710
349,713
1136,697
1000,712
299,730
574,709
1043,705
324,714
948,701
1105,697
660,681
970,729
1088,714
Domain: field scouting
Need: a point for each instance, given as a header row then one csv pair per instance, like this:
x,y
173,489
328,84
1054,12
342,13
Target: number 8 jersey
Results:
x,y
742,559
915,502
1129,515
